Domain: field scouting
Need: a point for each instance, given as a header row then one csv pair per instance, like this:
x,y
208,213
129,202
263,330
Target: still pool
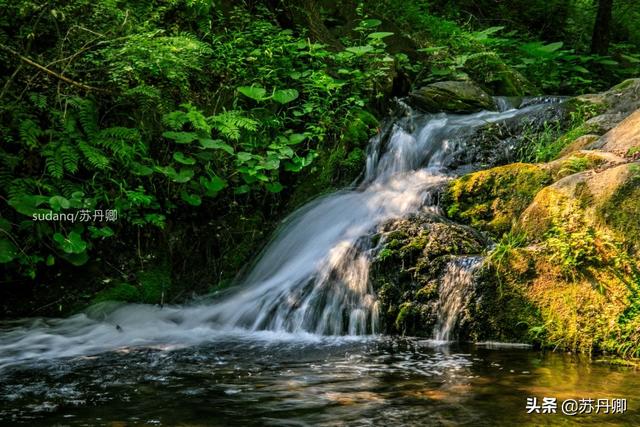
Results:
x,y
266,380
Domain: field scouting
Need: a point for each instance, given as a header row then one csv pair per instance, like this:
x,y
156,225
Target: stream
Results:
x,y
298,341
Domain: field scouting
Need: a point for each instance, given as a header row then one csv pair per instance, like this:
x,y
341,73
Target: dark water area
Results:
x,y
267,380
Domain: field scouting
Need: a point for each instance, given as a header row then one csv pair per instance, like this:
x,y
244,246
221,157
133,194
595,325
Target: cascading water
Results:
x,y
311,279
454,292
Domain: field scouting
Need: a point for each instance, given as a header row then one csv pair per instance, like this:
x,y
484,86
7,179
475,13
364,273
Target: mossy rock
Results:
x,y
153,286
621,212
490,71
491,200
413,253
451,96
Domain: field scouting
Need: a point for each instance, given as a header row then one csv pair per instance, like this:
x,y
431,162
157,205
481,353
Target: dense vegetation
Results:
x,y
202,123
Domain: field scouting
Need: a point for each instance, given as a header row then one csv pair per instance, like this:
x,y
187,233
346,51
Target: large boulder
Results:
x,y
621,99
413,255
624,139
498,78
453,97
492,199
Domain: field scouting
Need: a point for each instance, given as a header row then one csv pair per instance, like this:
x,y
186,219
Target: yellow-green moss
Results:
x,y
492,199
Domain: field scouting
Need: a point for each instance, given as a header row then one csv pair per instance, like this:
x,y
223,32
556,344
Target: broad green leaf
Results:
x,y
431,49
284,96
380,35
242,189
551,47
631,58
28,205
8,251
271,164
607,62
181,137
254,92
581,69
181,158
58,203
213,185
184,175
51,260
140,169
370,23
96,232
484,34
360,50
72,244
243,156
192,199
295,138
216,144
273,187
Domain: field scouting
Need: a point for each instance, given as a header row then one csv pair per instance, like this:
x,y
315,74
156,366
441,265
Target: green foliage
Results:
x,y
546,144
194,111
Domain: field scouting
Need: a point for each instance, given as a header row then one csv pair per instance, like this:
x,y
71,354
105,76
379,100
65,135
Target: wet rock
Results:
x,y
451,96
411,259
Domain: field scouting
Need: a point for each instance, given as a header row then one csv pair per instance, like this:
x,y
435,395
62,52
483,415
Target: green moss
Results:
x,y
155,284
120,292
490,71
622,212
492,199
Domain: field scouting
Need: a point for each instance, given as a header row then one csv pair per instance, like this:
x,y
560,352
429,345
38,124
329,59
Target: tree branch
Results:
x,y
53,73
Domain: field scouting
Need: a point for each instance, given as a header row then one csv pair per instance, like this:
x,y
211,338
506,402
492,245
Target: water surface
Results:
x,y
268,379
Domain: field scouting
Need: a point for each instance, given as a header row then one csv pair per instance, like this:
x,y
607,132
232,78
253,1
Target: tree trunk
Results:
x,y
600,37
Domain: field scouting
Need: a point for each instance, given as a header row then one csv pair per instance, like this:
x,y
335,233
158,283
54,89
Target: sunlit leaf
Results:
x,y
380,35
284,96
254,92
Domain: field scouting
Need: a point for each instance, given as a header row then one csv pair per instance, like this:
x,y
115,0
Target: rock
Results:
x,y
584,232
604,122
579,143
500,142
491,200
624,139
451,96
580,161
490,71
585,191
623,98
412,256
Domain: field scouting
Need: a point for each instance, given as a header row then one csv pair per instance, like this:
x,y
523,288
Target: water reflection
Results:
x,y
331,382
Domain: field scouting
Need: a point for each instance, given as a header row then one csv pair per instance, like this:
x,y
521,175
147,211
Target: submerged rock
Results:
x,y
452,97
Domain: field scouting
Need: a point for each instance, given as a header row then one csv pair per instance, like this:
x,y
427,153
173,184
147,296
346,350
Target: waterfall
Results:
x,y
312,278
456,286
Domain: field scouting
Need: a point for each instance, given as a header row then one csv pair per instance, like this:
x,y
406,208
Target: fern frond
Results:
x,y
93,156
231,123
29,133
70,157
54,164
87,115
